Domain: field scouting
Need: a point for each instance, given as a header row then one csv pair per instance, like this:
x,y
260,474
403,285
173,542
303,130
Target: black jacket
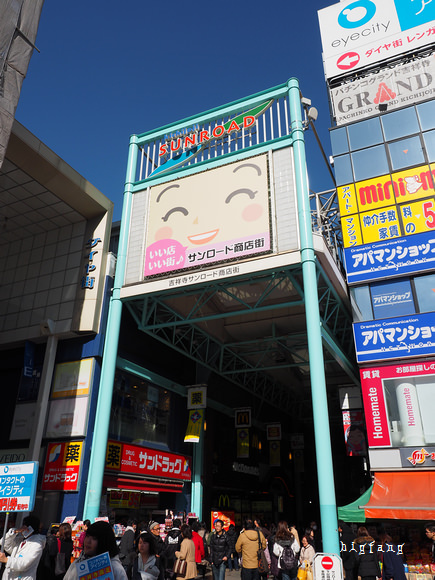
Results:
x,y
219,548
172,544
232,539
126,546
367,562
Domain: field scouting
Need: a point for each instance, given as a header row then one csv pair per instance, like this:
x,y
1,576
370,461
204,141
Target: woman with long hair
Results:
x,y
65,548
98,540
286,549
366,558
392,563
144,566
187,552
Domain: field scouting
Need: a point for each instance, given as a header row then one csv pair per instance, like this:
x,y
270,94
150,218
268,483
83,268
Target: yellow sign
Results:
x,y
242,443
386,207
193,431
72,379
242,417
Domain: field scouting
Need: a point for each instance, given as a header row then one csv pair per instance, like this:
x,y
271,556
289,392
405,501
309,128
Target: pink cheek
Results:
x,y
252,212
164,233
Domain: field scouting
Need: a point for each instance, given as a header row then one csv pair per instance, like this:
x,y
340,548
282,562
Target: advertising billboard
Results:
x,y
221,215
387,207
361,33
126,458
62,466
394,86
399,405
391,258
391,338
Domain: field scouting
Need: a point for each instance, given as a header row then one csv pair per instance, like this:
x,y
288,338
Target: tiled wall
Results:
x,y
40,276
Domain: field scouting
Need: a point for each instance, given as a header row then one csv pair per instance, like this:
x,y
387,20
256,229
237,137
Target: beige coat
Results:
x,y
247,544
187,552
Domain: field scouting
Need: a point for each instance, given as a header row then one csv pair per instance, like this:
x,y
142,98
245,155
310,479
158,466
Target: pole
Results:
x,y
102,418
325,475
198,460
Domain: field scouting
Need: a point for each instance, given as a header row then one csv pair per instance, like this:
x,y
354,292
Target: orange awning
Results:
x,y
404,495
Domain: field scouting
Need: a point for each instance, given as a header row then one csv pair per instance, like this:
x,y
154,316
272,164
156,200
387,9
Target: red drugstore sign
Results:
x,y
62,466
126,458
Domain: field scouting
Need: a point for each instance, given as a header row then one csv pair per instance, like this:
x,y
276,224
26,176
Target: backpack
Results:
x,y
288,559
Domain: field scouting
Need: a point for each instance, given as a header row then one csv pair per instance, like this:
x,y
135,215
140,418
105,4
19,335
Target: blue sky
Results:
x,y
108,69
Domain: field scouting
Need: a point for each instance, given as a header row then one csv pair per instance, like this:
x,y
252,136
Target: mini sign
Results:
x,y
96,567
242,417
18,486
62,466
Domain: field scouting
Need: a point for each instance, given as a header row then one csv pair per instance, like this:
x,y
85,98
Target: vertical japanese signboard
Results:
x,y
62,466
18,486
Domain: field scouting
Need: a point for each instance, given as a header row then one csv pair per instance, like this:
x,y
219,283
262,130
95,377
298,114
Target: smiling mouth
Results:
x,y
203,238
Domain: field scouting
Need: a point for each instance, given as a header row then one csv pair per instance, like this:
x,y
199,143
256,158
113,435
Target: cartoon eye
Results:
x,y
237,191
182,210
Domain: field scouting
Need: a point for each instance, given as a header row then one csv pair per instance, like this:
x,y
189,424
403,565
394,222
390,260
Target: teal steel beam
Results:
x,y
325,474
108,369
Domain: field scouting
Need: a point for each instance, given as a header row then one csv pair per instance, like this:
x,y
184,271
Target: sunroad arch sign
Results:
x,y
360,33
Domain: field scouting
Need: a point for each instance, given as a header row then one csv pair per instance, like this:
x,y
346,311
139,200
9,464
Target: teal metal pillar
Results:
x,y
325,474
104,403
197,467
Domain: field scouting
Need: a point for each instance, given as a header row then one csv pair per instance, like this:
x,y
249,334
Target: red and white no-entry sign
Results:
x,y
327,567
327,562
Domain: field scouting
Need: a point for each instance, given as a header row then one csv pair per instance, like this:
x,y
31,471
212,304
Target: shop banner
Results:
x,y
227,517
242,443
127,458
361,33
72,379
18,486
423,457
96,567
197,397
404,337
391,258
399,406
193,431
274,453
392,299
394,87
62,466
354,433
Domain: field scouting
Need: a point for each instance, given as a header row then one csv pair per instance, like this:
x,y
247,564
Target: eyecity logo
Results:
x,y
357,14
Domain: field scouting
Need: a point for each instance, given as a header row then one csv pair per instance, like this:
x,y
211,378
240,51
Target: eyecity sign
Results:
x,y
360,33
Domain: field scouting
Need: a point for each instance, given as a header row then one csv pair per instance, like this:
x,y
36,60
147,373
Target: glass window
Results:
x,y
392,299
406,153
361,303
365,134
339,141
400,123
426,113
429,143
424,288
370,162
343,170
140,411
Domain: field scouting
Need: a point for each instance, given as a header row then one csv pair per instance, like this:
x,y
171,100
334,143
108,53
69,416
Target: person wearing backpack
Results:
x,y
286,549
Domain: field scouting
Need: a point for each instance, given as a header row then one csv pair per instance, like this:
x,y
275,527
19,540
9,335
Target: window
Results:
x,y
392,299
365,134
429,143
425,292
361,303
140,410
406,153
426,113
339,141
370,162
343,170
400,123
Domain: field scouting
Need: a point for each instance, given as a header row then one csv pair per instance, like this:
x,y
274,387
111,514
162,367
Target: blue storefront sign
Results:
x,y
394,257
392,298
409,336
18,486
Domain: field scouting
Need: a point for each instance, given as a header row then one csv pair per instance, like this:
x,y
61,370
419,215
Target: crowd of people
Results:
x,y
188,551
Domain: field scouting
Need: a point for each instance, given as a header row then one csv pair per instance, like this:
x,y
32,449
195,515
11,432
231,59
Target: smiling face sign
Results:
x,y
215,216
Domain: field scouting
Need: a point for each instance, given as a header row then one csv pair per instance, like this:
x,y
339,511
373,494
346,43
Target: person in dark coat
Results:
x,y
392,563
159,547
346,538
126,546
219,551
233,560
172,544
366,558
65,546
